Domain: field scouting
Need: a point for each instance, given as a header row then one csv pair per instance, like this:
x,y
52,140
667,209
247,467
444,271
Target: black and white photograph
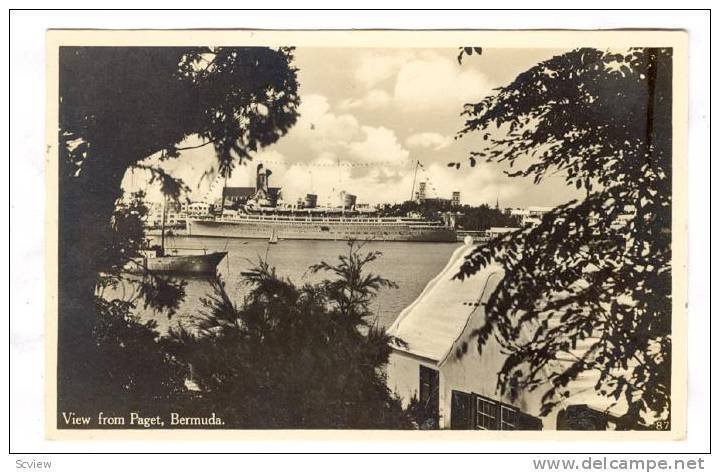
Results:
x,y
317,231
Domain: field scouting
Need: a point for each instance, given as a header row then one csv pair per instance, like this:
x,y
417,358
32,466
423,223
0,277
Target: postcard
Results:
x,y
260,234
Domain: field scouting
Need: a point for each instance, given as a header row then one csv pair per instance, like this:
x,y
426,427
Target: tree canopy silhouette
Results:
x,y
598,270
120,105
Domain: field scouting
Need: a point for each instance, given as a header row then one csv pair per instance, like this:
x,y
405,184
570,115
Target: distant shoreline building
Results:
x,y
421,193
440,201
422,198
529,216
455,202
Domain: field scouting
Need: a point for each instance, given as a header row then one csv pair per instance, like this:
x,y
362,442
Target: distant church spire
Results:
x,y
497,202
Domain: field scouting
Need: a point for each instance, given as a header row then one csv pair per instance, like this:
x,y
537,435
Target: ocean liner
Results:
x,y
255,213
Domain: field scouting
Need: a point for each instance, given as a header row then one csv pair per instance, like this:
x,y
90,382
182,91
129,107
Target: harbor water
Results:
x,y
411,265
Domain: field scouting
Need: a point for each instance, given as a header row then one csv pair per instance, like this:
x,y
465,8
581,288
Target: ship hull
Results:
x,y
191,264
320,231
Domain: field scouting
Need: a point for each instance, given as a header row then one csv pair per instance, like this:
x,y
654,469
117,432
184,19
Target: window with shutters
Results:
x,y
508,418
495,415
486,414
429,398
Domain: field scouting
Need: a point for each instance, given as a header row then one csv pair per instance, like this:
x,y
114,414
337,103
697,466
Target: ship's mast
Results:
x,y
222,201
339,173
162,227
412,191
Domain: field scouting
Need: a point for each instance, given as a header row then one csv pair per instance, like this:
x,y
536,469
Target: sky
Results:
x,y
366,117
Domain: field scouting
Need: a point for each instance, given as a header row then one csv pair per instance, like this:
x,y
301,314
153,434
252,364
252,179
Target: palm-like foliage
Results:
x,y
352,290
293,357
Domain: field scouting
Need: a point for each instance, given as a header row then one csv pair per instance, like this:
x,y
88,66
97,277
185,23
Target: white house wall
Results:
x,y
476,373
472,373
403,376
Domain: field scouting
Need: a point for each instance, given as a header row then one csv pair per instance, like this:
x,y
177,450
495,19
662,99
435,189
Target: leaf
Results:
x,y
469,51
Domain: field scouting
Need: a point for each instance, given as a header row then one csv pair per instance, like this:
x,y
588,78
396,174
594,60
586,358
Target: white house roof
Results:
x,y
436,319
430,326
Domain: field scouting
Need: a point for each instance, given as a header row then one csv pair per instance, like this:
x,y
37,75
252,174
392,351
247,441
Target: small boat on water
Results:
x,y
156,260
185,264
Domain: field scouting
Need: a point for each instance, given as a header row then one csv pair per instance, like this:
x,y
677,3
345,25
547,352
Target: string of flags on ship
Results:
x,y
329,165
429,185
428,182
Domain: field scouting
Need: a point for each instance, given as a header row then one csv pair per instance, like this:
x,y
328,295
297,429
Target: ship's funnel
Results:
x,y
259,177
268,173
310,201
349,201
261,183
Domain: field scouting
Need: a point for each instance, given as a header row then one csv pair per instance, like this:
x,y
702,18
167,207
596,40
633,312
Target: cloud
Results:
x,y
379,144
431,140
378,66
320,127
436,83
412,81
381,171
373,100
322,133
332,149
380,110
329,150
